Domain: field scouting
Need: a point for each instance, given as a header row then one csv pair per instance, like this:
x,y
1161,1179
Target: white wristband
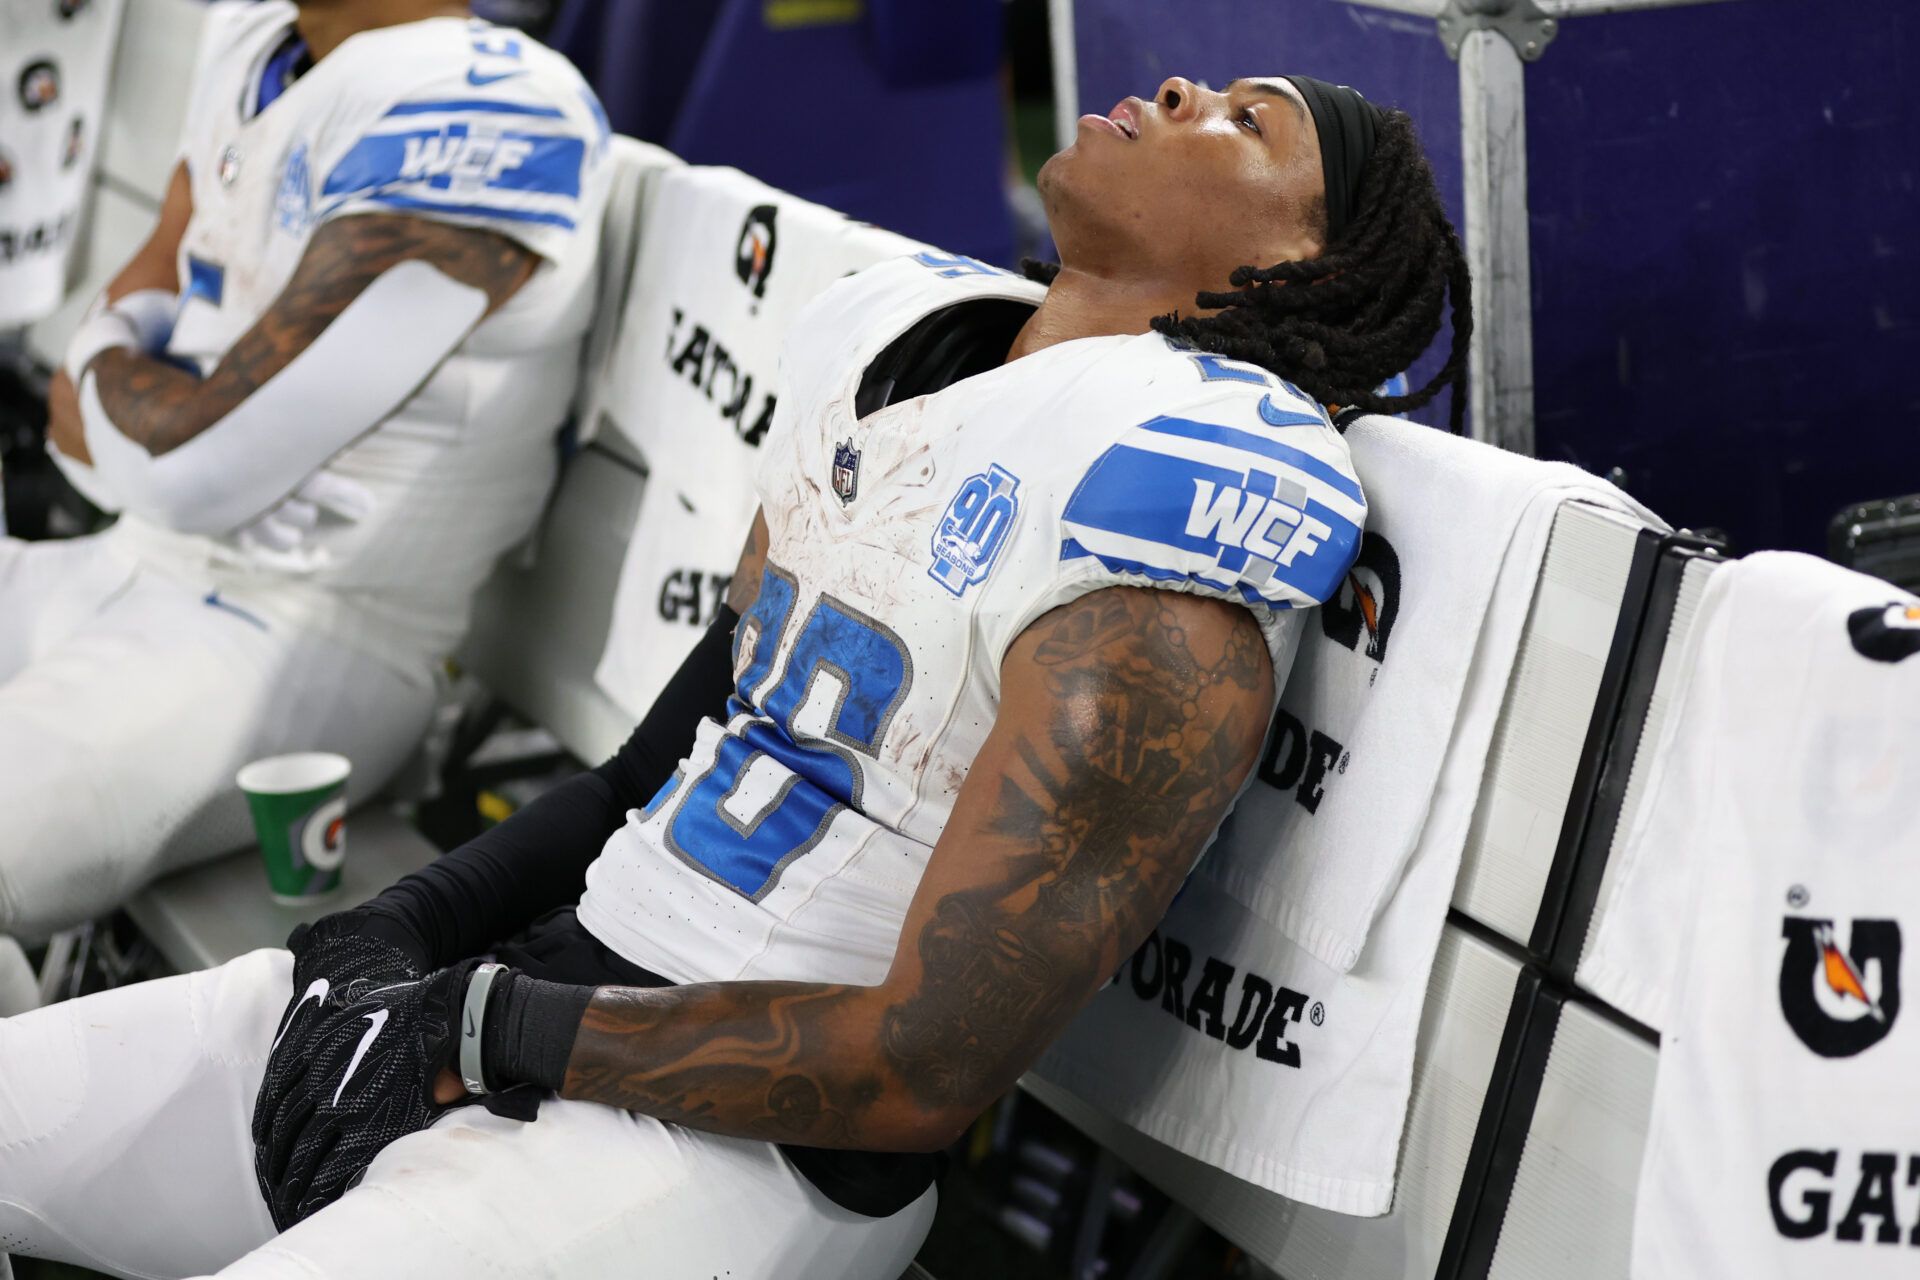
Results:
x,y
111,328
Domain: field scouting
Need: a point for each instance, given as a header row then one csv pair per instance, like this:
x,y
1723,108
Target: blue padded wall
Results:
x,y
890,111
1726,258
874,116
1725,207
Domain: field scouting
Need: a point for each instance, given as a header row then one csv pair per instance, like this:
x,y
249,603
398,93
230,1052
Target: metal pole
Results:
x,y
1421,8
1583,8
1493,147
1066,72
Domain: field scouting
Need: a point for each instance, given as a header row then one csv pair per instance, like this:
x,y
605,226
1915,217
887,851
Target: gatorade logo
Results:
x,y
323,837
753,252
1362,614
1266,1016
1840,1001
1885,632
39,85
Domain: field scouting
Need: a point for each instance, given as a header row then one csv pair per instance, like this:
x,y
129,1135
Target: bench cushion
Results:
x,y
207,915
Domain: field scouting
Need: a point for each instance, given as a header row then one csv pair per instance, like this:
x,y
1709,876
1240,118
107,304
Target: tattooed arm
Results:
x,y
1128,721
152,266
161,407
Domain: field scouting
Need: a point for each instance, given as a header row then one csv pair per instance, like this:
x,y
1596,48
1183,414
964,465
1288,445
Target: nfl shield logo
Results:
x,y
846,471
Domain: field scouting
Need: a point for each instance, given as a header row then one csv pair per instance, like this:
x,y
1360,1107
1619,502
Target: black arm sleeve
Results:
x,y
501,880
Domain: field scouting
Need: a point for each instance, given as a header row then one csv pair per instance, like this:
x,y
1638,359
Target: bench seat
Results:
x,y
206,915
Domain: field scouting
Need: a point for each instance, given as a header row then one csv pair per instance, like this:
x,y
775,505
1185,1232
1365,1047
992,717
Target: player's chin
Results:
x,y
1078,174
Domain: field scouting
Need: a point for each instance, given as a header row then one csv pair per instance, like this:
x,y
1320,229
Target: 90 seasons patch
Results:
x,y
974,528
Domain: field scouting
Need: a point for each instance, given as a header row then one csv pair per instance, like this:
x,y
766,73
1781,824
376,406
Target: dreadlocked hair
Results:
x,y
1340,325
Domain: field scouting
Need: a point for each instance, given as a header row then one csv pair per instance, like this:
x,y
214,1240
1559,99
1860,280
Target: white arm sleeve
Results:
x,y
85,481
361,368
140,320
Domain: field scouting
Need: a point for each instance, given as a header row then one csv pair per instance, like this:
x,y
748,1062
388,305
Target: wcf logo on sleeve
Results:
x,y
459,157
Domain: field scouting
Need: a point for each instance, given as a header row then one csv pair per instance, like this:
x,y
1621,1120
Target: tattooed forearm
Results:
x,y
1146,748
1129,720
766,1060
162,407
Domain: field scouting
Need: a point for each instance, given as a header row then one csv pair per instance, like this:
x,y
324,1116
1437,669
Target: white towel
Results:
x,y
1376,692
1767,904
1322,1124
633,167
725,263
672,582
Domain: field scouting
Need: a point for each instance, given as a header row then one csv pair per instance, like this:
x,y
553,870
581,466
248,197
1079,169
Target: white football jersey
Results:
x,y
54,59
447,119
908,550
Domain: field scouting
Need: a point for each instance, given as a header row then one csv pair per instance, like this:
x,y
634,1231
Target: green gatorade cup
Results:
x,y
299,805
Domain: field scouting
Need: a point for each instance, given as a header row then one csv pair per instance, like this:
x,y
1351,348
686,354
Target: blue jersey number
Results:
x,y
843,662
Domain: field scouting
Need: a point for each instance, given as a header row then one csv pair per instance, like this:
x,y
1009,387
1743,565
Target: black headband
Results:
x,y
1346,123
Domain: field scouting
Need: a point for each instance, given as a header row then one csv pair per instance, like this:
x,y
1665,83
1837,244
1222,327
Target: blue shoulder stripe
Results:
x,y
476,104
1233,437
452,159
1248,526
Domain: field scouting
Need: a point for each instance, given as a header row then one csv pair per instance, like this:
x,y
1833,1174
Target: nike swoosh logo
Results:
x,y
470,1029
379,1019
316,991
1274,416
479,81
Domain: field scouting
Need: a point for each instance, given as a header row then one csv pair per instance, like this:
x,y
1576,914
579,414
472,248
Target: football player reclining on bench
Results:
x,y
997,660
381,256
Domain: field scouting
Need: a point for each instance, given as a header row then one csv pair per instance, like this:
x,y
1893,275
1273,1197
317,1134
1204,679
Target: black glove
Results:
x,y
345,947
328,957
362,1078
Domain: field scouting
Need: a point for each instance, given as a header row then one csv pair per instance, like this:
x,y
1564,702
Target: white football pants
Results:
x,y
128,701
124,1147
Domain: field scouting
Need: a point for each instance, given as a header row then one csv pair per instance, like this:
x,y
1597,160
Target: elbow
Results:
x,y
902,1120
938,1083
158,492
